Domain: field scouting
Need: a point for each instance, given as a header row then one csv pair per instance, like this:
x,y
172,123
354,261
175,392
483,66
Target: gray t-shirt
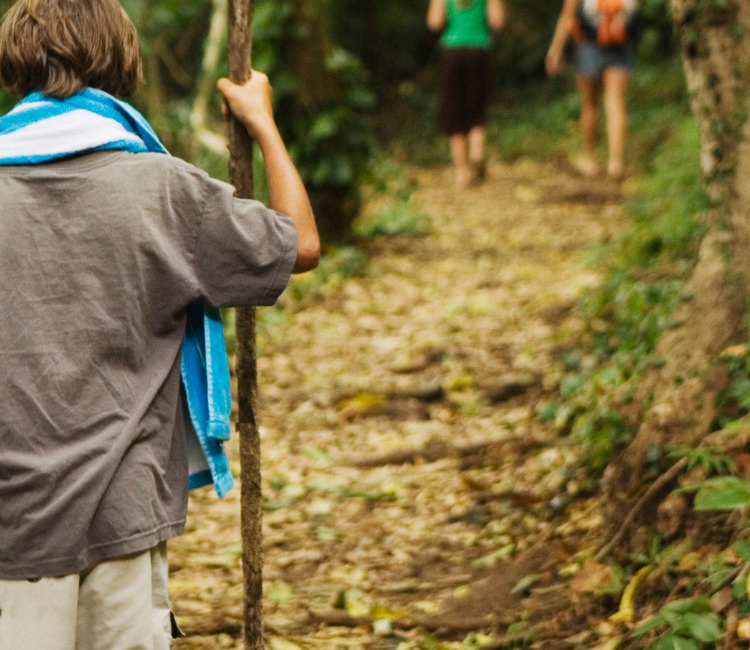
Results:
x,y
99,257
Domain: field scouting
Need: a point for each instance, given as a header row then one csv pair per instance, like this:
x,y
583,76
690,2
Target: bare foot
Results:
x,y
465,177
587,167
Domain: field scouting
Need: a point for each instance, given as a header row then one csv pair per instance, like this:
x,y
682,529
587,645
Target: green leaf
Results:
x,y
739,590
493,558
688,605
316,455
279,592
665,643
278,643
676,622
742,550
722,493
704,627
720,576
643,630
681,643
325,126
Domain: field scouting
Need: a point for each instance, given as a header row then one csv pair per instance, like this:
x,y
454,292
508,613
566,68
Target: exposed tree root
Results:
x,y
339,618
438,450
725,440
657,485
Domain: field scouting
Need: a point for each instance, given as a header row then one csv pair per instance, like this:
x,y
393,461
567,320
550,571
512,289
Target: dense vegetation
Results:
x,y
346,74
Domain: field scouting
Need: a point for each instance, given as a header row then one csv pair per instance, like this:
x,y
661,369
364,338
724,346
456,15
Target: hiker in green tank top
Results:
x,y
467,25
464,77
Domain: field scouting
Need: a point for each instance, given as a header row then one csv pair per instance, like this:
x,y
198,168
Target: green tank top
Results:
x,y
467,26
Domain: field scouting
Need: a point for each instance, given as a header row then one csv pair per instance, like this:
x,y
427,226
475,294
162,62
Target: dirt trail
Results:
x,y
448,341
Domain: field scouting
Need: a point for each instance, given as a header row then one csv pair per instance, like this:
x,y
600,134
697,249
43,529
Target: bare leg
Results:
x,y
476,144
589,89
460,160
616,81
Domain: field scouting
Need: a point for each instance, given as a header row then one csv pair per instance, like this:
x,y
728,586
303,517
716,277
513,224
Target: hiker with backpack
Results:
x,y
605,31
464,77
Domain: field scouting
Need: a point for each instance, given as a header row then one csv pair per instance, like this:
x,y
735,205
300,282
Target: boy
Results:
x,y
101,252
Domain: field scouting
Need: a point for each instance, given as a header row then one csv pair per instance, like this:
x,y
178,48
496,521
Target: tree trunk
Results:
x,y
241,173
319,92
716,56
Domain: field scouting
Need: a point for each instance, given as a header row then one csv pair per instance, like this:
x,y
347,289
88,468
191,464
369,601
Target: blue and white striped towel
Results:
x,y
41,129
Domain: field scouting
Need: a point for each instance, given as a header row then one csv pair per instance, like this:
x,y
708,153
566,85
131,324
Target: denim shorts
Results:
x,y
592,59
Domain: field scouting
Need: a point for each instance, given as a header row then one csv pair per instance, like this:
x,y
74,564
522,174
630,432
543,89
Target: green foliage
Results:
x,y
322,99
691,622
734,402
391,38
321,102
398,220
598,430
550,129
337,265
722,493
742,551
172,36
713,460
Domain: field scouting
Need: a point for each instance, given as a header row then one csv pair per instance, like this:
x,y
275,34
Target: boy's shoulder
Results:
x,y
120,163
160,164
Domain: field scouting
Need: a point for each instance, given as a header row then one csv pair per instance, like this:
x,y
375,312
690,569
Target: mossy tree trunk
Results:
x,y
715,41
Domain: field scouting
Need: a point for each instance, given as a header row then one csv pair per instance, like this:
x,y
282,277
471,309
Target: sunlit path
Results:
x,y
448,341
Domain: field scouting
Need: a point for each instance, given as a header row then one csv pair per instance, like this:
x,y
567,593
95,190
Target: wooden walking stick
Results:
x,y
241,174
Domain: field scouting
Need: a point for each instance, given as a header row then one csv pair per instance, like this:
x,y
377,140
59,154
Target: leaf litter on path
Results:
x,y
465,309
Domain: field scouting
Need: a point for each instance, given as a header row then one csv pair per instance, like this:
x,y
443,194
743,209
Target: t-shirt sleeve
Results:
x,y
245,252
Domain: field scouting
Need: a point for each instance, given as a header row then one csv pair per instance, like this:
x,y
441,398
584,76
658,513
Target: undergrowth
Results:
x,y
648,266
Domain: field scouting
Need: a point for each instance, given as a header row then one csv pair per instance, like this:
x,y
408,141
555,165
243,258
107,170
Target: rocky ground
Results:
x,y
412,497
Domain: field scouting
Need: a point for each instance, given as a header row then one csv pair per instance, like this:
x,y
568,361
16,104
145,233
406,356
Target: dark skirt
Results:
x,y
464,87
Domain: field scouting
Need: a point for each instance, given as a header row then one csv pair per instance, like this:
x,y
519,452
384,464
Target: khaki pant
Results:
x,y
121,604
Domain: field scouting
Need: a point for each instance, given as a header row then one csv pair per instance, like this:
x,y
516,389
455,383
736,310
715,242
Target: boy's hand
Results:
x,y
553,63
251,103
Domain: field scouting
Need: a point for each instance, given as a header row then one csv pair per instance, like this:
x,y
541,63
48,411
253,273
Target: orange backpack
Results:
x,y
609,22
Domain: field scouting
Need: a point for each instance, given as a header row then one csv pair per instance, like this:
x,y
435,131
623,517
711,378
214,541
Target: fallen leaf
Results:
x,y
362,403
427,606
626,613
721,600
461,382
689,561
612,644
743,629
591,578
493,558
525,583
569,570
278,643
735,351
279,592
383,627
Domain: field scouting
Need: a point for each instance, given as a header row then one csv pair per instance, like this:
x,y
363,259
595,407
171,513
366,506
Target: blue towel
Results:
x,y
41,129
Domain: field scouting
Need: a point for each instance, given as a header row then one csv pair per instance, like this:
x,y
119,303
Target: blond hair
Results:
x,y
60,47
